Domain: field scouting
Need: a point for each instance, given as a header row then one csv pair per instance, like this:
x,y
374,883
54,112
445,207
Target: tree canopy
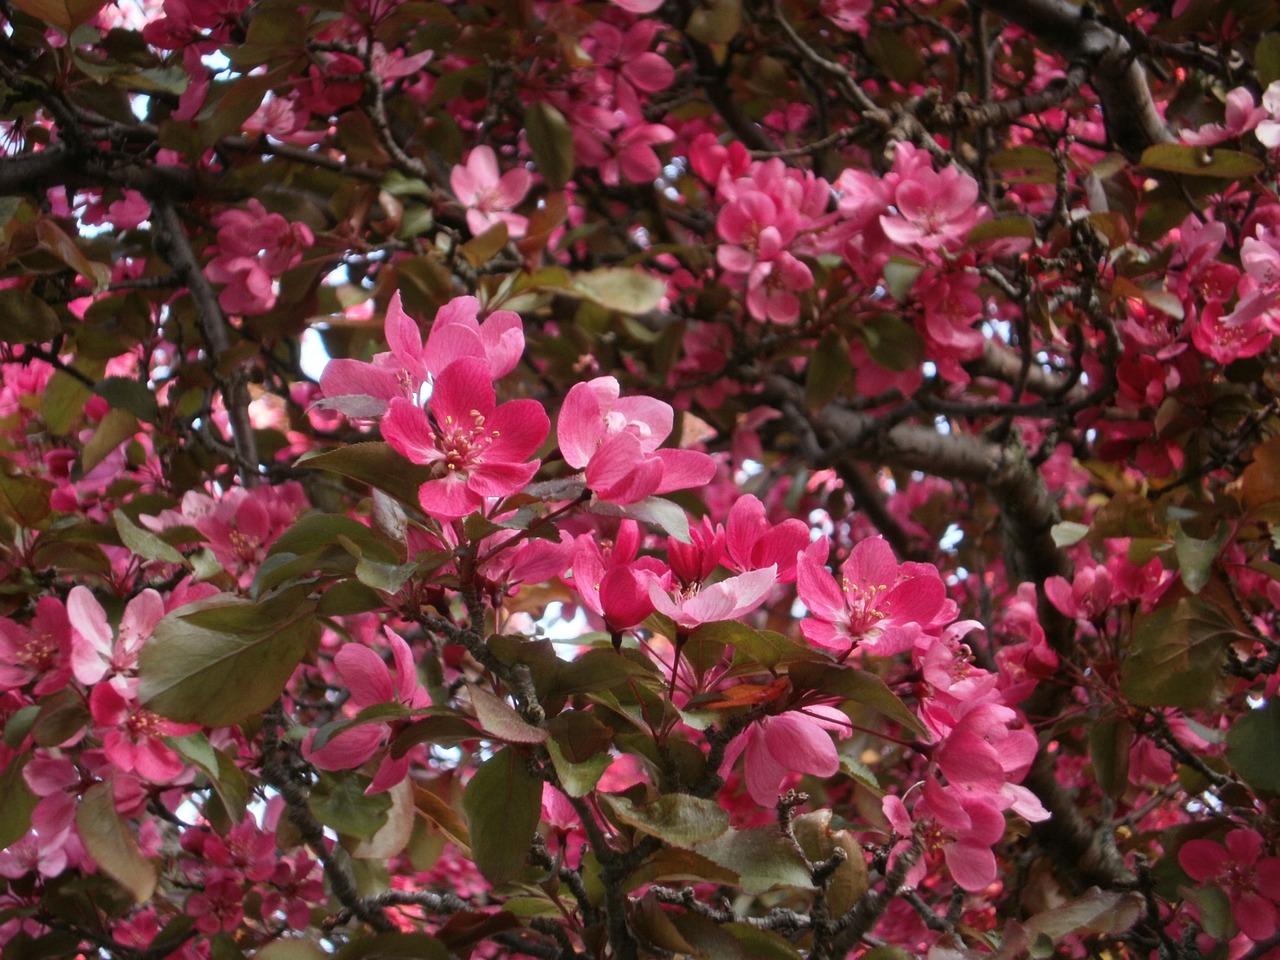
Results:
x,y
639,478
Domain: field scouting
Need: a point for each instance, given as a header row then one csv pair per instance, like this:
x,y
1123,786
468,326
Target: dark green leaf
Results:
x,y
680,819
376,464
394,946
338,800
1253,748
760,856
1176,652
25,318
1201,162
220,661
857,685
16,803
551,142
106,836
503,803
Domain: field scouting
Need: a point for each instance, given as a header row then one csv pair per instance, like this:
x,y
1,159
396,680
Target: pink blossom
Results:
x,y
777,746
1237,866
488,196
478,448
94,651
617,439
752,542
880,604
618,143
934,209
1242,115
133,736
40,652
367,676
725,600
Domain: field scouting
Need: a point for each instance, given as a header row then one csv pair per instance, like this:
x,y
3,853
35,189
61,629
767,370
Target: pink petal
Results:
x,y
365,674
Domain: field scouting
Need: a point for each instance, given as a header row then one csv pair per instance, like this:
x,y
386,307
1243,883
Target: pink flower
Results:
x,y
1242,115
880,604
40,652
132,736
366,675
1237,866
778,746
959,830
726,600
489,196
616,439
94,651
934,209
479,449
752,542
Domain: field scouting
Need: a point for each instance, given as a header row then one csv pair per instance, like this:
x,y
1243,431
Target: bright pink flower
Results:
x,y
618,143
752,542
617,439
133,736
489,196
954,828
367,676
479,449
778,746
40,652
934,209
1250,880
95,652
879,603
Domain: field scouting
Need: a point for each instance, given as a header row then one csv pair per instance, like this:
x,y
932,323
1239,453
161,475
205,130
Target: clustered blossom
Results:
x,y
254,249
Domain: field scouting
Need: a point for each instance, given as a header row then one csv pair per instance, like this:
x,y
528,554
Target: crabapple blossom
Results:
x,y
489,196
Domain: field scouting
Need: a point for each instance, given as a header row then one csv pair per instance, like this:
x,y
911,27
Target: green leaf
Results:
x,y
144,543
227,780
892,342
673,865
293,948
503,803
1199,162
999,229
1266,59
66,15
338,800
578,779
1177,650
221,660
1195,557
760,856
106,836
480,250
857,685
668,517
680,819
623,289
829,370
63,401
551,142
23,499
1109,742
16,802
25,318
377,464
764,647
126,393
113,429
499,719
1253,746
715,21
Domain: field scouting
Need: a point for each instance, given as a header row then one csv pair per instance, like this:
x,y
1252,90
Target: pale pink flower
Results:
x,y
489,196
1242,115
617,439
702,603
778,746
95,652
